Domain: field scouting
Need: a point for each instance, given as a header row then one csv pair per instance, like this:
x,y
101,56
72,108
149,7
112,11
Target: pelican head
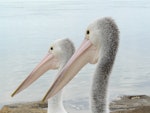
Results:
x,y
101,42
61,50
59,53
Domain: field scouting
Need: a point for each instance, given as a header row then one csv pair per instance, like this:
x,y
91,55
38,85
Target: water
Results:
x,y
27,28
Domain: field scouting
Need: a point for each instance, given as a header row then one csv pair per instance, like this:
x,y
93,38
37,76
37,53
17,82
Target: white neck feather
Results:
x,y
55,104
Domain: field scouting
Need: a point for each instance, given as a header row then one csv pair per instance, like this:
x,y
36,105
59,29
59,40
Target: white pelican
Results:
x,y
58,55
99,46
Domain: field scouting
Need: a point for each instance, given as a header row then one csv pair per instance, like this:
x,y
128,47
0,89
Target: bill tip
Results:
x,y
12,95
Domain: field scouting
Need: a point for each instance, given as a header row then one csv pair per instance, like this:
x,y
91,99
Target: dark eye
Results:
x,y
51,48
87,32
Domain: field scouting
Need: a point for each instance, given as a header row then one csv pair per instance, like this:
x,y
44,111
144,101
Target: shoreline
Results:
x,y
126,104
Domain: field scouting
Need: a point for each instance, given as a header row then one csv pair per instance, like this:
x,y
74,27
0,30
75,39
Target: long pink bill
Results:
x,y
48,62
74,65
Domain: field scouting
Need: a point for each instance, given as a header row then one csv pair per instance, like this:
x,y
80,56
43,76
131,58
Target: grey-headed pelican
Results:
x,y
57,56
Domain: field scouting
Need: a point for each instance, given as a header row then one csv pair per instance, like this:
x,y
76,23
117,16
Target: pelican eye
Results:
x,y
51,48
87,32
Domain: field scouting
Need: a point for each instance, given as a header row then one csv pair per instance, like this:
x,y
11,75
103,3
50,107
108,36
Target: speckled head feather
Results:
x,y
109,41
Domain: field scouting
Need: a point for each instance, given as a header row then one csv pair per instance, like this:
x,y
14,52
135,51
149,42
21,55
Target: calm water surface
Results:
x,y
27,28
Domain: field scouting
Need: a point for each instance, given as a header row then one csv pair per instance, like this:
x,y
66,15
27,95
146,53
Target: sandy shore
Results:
x,y
126,104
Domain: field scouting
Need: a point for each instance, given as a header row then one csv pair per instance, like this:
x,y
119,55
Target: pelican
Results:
x,y
57,56
99,46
